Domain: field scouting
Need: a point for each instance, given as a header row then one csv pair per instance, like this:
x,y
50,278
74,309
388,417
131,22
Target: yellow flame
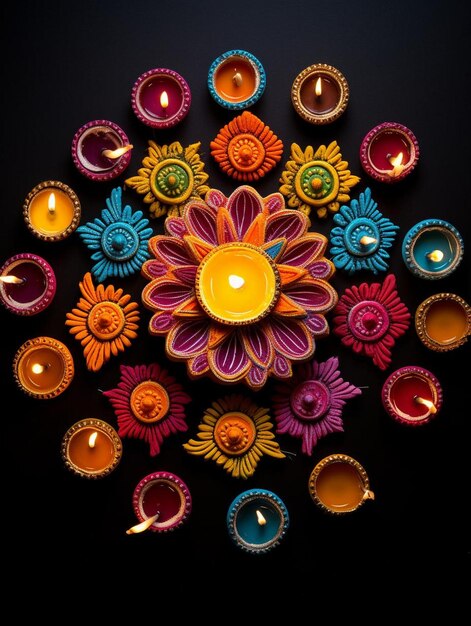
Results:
x,y
37,368
236,282
435,255
237,79
164,99
139,528
51,203
318,88
92,439
397,160
115,154
365,240
428,403
14,280
260,519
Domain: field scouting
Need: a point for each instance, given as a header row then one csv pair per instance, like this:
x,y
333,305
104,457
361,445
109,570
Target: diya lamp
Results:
x,y
91,448
320,94
161,98
361,239
161,502
52,211
257,520
338,484
43,367
236,80
443,322
412,395
101,150
27,284
389,152
432,249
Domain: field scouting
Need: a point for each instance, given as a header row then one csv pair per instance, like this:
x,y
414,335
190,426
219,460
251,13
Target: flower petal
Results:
x,y
257,345
291,337
315,295
230,361
169,250
244,205
304,250
201,221
165,294
287,224
188,338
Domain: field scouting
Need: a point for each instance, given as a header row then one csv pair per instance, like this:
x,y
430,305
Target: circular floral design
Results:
x,y
239,347
169,177
235,433
105,321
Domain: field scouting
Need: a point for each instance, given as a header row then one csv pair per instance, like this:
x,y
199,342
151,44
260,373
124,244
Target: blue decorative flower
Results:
x,y
361,239
120,239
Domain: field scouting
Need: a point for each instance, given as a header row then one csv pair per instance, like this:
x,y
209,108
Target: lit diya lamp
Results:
x,y
339,484
43,367
432,249
257,520
389,152
320,94
91,448
236,80
412,395
161,98
27,284
443,322
52,211
101,150
161,502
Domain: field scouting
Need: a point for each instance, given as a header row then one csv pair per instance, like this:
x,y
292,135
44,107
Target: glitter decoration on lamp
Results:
x,y
118,239
171,176
105,321
149,404
320,94
317,180
362,237
205,275
236,80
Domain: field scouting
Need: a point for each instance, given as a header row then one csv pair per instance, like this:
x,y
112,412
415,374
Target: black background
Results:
x,y
65,64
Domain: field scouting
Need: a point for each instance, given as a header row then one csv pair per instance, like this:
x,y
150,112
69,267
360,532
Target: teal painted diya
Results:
x,y
362,237
432,249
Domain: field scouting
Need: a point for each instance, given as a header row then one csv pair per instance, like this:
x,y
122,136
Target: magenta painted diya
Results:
x,y
238,287
369,319
27,284
309,405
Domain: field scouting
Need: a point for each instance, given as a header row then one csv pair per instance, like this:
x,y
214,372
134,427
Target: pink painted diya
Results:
x,y
27,284
149,404
370,318
239,287
310,404
246,148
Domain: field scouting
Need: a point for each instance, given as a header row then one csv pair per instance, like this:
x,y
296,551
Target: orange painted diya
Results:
x,y
246,148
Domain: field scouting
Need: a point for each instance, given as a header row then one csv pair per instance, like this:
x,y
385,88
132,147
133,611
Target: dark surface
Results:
x,y
71,63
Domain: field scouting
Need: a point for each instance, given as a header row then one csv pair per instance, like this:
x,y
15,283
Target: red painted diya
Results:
x,y
370,318
412,395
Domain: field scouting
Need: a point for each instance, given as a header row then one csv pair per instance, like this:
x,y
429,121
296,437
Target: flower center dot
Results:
x,y
370,320
316,183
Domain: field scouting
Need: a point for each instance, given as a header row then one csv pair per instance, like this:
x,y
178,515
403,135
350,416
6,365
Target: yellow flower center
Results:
x,y
149,402
234,433
106,320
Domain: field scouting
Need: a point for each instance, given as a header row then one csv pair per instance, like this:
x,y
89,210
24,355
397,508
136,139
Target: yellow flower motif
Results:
x,y
236,434
317,179
104,322
170,177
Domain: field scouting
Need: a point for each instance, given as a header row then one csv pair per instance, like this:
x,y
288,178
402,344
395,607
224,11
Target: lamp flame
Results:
x,y
13,280
115,154
164,99
139,528
318,87
397,160
435,255
92,439
37,368
236,282
51,203
428,403
260,518
365,240
237,79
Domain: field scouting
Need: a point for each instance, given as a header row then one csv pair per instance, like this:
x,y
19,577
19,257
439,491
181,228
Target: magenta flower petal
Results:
x,y
244,205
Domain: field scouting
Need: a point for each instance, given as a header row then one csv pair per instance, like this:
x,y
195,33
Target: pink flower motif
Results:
x,y
370,318
149,404
310,404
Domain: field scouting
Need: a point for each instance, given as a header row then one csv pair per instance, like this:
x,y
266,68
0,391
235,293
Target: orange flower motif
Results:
x,y
246,148
104,322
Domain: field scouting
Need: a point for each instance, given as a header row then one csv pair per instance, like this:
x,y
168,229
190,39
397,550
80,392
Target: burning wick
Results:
x,y
92,439
396,162
237,79
139,528
318,87
38,368
236,282
428,403
14,280
365,240
51,203
164,100
435,255
115,154
260,519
